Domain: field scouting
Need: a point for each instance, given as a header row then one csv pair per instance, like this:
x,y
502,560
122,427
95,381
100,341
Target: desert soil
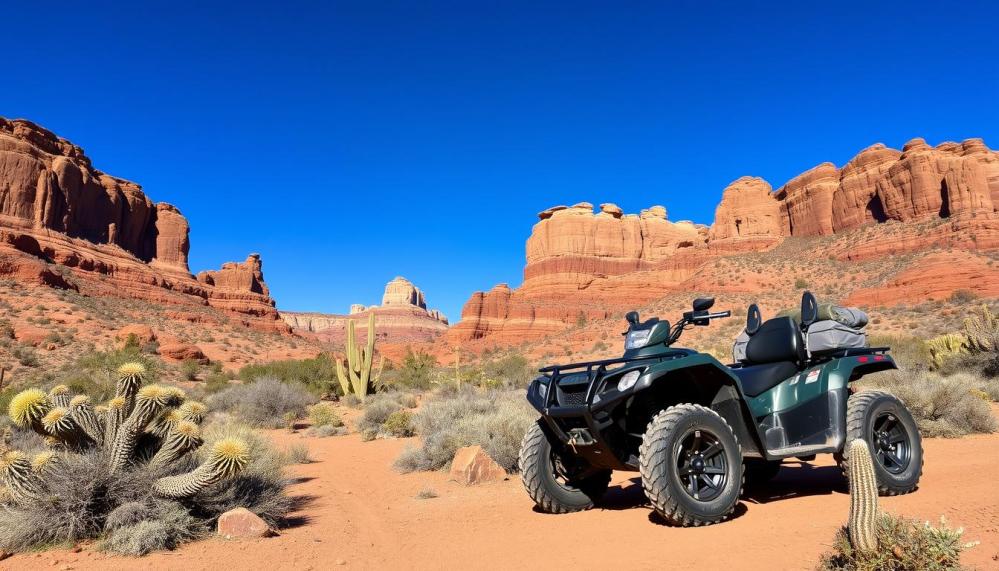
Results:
x,y
364,515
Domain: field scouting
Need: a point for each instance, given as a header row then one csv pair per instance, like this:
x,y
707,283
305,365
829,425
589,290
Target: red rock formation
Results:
x,y
402,317
806,202
748,217
56,208
585,264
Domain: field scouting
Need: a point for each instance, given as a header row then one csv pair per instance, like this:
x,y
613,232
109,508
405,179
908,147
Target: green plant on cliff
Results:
x,y
355,378
138,472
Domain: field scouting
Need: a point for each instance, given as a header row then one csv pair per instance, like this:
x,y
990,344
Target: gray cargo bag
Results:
x,y
829,336
739,348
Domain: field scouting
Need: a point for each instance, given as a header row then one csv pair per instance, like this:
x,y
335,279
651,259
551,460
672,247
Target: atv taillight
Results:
x,y
861,359
879,357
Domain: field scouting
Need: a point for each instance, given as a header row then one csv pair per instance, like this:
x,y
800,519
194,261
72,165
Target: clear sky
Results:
x,y
350,142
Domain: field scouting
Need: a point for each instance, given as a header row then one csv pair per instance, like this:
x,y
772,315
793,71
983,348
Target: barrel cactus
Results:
x,y
151,424
863,497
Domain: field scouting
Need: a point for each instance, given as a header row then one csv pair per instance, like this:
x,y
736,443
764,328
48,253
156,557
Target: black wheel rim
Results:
x,y
701,465
890,443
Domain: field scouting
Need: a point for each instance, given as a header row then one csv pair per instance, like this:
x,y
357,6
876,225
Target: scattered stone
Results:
x,y
241,523
143,334
472,465
183,352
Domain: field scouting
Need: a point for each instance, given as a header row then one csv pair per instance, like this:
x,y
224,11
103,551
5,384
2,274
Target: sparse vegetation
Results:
x,y
263,403
942,406
496,420
317,374
902,544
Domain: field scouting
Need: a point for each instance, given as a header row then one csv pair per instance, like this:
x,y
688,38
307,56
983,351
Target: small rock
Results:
x,y
5,554
241,523
340,562
183,352
472,465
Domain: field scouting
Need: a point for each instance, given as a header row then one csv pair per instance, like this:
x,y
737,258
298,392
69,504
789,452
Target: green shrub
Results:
x,y
263,403
324,414
942,406
416,371
377,409
495,420
189,369
298,454
902,545
318,374
513,370
399,424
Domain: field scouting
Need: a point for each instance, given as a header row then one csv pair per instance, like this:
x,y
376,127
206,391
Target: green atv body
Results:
x,y
694,426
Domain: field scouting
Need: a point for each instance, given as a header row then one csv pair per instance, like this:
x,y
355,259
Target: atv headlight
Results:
x,y
628,380
542,390
637,338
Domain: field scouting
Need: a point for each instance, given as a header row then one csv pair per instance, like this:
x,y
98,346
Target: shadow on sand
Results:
x,y
795,480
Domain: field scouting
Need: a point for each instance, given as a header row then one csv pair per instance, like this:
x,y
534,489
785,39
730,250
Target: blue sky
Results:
x,y
350,142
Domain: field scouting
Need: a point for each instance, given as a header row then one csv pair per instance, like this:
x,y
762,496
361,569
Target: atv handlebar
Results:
x,y
695,317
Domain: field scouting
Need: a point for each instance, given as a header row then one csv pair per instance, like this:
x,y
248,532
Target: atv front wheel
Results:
x,y
691,465
542,470
882,420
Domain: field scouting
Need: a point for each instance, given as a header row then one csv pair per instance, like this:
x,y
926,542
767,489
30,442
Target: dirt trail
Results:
x,y
365,516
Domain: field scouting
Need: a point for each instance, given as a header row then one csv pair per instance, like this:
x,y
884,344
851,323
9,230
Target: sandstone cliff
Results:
x,y
57,212
582,264
402,317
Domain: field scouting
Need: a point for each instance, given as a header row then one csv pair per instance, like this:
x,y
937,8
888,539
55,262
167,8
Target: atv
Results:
x,y
697,430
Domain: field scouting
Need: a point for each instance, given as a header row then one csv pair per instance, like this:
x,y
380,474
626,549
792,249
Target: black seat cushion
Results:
x,y
778,339
757,379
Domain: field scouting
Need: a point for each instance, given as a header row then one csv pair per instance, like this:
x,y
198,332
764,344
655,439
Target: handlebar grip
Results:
x,y
721,314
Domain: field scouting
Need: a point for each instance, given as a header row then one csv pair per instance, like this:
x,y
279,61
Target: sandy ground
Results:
x,y
363,515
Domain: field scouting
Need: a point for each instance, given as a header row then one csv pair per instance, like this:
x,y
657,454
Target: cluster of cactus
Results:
x,y
982,332
946,346
863,497
153,424
355,375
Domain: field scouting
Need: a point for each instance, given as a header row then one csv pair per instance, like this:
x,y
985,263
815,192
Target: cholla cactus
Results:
x,y
59,395
152,424
27,409
946,346
15,473
982,331
228,456
863,497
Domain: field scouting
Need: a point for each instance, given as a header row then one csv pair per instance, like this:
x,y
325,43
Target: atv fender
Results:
x,y
701,379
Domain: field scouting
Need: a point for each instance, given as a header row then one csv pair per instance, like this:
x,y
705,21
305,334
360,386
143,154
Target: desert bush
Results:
x,y
189,369
512,371
264,402
298,454
323,414
318,374
902,544
399,424
942,406
377,409
496,420
911,353
326,431
416,371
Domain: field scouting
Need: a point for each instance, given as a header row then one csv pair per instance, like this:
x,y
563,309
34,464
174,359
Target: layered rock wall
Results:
x,y
582,264
57,209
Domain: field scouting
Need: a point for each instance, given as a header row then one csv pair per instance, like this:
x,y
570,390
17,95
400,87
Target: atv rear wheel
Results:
x,y
691,465
882,420
544,476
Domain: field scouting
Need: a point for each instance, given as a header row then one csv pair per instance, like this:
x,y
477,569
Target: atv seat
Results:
x,y
773,354
758,379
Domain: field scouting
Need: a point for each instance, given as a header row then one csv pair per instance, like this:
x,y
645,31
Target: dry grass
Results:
x,y
942,406
496,420
263,403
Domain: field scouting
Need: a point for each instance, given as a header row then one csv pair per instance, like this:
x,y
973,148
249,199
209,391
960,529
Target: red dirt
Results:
x,y
366,516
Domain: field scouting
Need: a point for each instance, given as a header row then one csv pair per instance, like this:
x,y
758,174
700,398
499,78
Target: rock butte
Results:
x,y
56,208
402,317
583,264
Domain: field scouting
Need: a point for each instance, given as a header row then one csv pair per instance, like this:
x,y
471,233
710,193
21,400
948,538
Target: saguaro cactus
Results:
x,y
863,497
357,378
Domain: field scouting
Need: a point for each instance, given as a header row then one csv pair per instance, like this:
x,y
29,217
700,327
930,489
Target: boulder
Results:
x,y
241,523
30,335
471,465
182,352
142,333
